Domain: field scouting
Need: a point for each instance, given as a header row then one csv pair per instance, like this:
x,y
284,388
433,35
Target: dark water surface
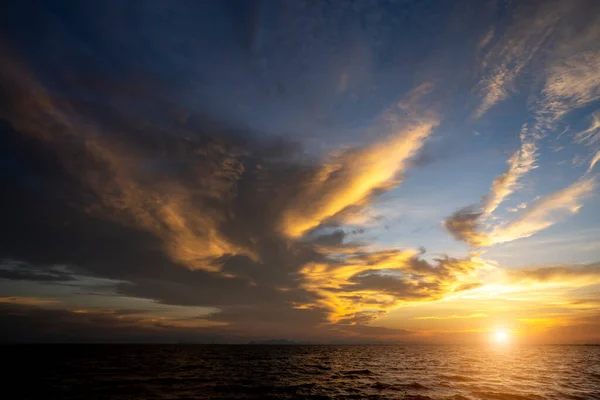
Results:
x,y
302,372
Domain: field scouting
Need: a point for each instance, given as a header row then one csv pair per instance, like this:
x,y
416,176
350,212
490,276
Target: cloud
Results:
x,y
469,316
465,224
334,238
545,212
30,301
350,178
569,275
17,271
189,213
542,37
521,162
337,191
123,178
572,83
37,323
594,160
591,138
116,172
504,60
177,215
25,322
385,280
580,329
591,135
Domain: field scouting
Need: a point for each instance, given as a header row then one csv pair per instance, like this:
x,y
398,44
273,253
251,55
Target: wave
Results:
x,y
358,372
457,378
508,396
402,386
320,373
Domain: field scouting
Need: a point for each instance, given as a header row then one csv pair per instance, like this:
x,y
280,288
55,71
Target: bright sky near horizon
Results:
x,y
346,171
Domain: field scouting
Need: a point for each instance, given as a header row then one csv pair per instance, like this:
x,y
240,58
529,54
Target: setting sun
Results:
x,y
501,337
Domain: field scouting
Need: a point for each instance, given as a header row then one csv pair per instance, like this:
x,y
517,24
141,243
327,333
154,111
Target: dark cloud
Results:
x,y
115,163
21,323
24,324
64,208
464,225
415,279
334,238
184,214
22,272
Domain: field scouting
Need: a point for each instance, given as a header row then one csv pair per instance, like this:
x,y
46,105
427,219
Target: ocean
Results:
x,y
144,372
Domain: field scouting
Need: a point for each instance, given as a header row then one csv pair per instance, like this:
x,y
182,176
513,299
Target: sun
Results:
x,y
501,337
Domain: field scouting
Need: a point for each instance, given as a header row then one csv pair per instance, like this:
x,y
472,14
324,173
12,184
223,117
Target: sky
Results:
x,y
324,172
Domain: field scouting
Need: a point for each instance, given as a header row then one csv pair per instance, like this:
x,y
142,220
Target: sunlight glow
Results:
x,y
501,337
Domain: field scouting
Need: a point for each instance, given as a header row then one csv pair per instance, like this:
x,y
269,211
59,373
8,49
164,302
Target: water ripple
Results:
x,y
148,372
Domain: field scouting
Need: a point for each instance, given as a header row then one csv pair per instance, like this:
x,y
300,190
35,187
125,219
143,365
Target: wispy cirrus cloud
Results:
x,y
466,224
591,138
570,61
567,275
571,81
591,135
594,161
519,164
545,212
453,316
504,60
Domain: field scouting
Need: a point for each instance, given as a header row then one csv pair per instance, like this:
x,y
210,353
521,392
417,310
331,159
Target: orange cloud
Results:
x,y
28,301
377,282
349,178
469,316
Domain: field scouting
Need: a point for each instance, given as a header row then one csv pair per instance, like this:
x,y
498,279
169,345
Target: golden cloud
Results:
x,y
376,282
453,316
351,177
28,301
